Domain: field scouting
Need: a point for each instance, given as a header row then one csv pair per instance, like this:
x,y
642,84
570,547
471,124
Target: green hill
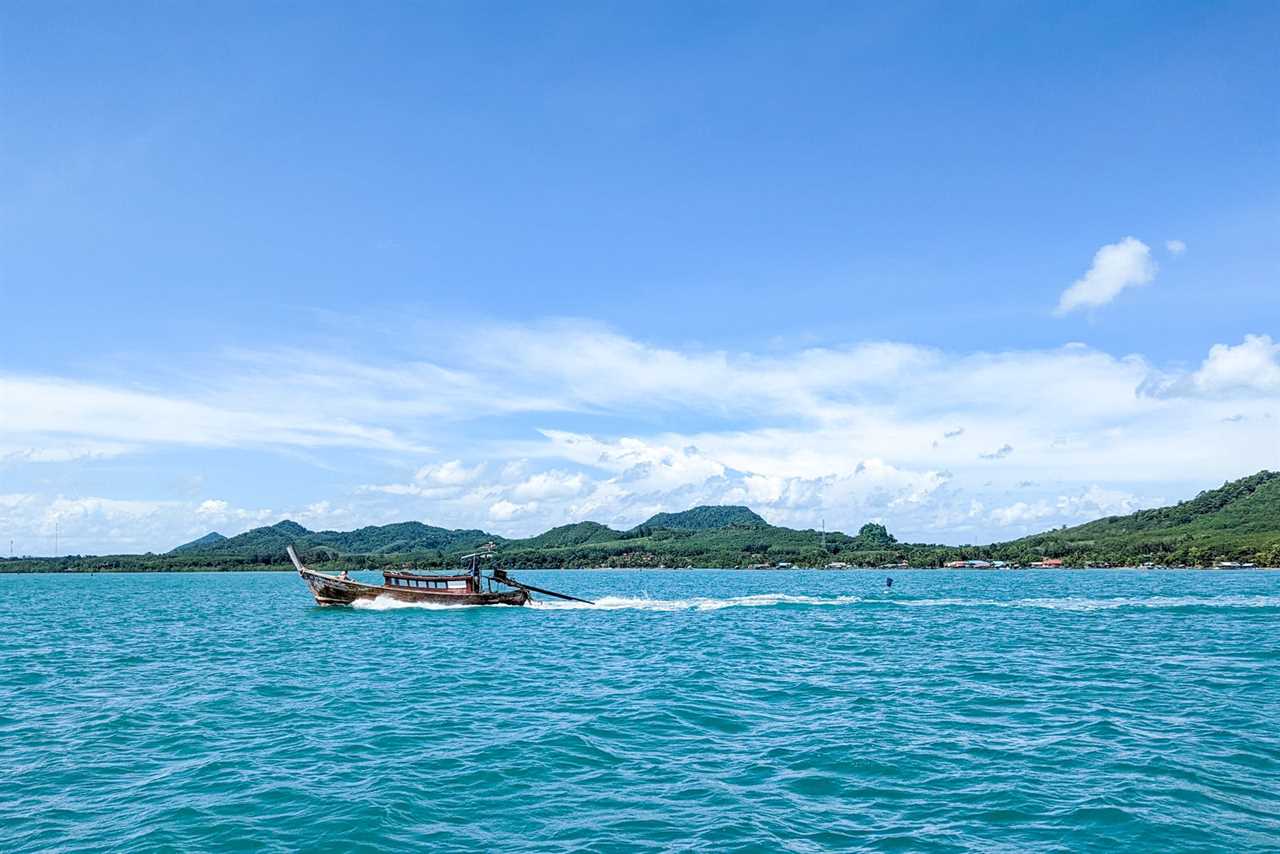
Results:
x,y
210,539
399,538
706,517
569,535
264,545
1238,521
257,541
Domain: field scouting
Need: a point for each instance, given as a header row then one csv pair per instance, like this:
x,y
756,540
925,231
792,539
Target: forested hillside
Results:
x,y
1239,521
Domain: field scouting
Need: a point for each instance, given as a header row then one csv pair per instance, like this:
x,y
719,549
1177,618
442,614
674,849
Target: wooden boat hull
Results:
x,y
331,590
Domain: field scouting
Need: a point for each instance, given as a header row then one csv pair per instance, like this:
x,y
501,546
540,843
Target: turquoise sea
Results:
x,y
686,711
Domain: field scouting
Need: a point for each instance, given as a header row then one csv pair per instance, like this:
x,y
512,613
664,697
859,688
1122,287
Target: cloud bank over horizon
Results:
x,y
567,420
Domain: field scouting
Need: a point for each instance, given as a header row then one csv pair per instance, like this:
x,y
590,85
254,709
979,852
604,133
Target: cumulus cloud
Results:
x,y
999,453
1253,365
1021,512
504,510
451,473
621,481
1248,369
1068,509
81,524
550,484
1116,266
1175,247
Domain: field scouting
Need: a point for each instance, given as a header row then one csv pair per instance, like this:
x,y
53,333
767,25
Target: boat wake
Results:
x,y
766,600
1075,603
621,603
625,603
386,603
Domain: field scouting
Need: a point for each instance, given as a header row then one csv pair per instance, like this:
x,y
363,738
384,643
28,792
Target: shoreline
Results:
x,y
205,570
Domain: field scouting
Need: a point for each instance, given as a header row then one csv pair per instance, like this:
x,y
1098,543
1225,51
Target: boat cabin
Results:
x,y
437,583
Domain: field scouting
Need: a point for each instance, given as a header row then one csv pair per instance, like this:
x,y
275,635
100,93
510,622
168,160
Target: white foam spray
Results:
x,y
765,600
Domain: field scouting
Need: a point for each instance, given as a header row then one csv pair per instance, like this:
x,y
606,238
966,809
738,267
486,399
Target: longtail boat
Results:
x,y
473,587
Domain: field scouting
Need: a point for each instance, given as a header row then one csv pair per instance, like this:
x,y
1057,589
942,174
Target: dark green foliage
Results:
x,y
259,541
1240,521
874,536
399,538
210,539
705,517
570,535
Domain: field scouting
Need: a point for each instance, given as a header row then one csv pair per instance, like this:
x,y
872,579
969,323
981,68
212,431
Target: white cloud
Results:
x,y
451,473
504,511
548,370
1116,266
55,409
396,489
1175,247
90,524
110,508
1097,501
1248,369
1021,512
623,481
64,452
846,433
550,484
226,518
643,464
82,524
1069,509
1251,366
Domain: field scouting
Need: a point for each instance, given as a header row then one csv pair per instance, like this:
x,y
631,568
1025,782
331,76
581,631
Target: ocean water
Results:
x,y
686,711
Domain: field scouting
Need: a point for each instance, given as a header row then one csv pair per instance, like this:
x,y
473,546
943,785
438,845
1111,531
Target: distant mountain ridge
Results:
x,y
210,539
1239,521
396,538
404,537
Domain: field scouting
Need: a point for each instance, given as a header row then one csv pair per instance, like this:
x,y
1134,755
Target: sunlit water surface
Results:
x,y
698,710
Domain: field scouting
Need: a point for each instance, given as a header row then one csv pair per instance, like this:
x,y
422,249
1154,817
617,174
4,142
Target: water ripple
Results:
x,y
698,711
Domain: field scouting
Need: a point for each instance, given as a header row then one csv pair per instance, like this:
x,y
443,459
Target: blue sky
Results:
x,y
508,266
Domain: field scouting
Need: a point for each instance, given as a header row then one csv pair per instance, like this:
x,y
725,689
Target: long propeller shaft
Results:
x,y
511,582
